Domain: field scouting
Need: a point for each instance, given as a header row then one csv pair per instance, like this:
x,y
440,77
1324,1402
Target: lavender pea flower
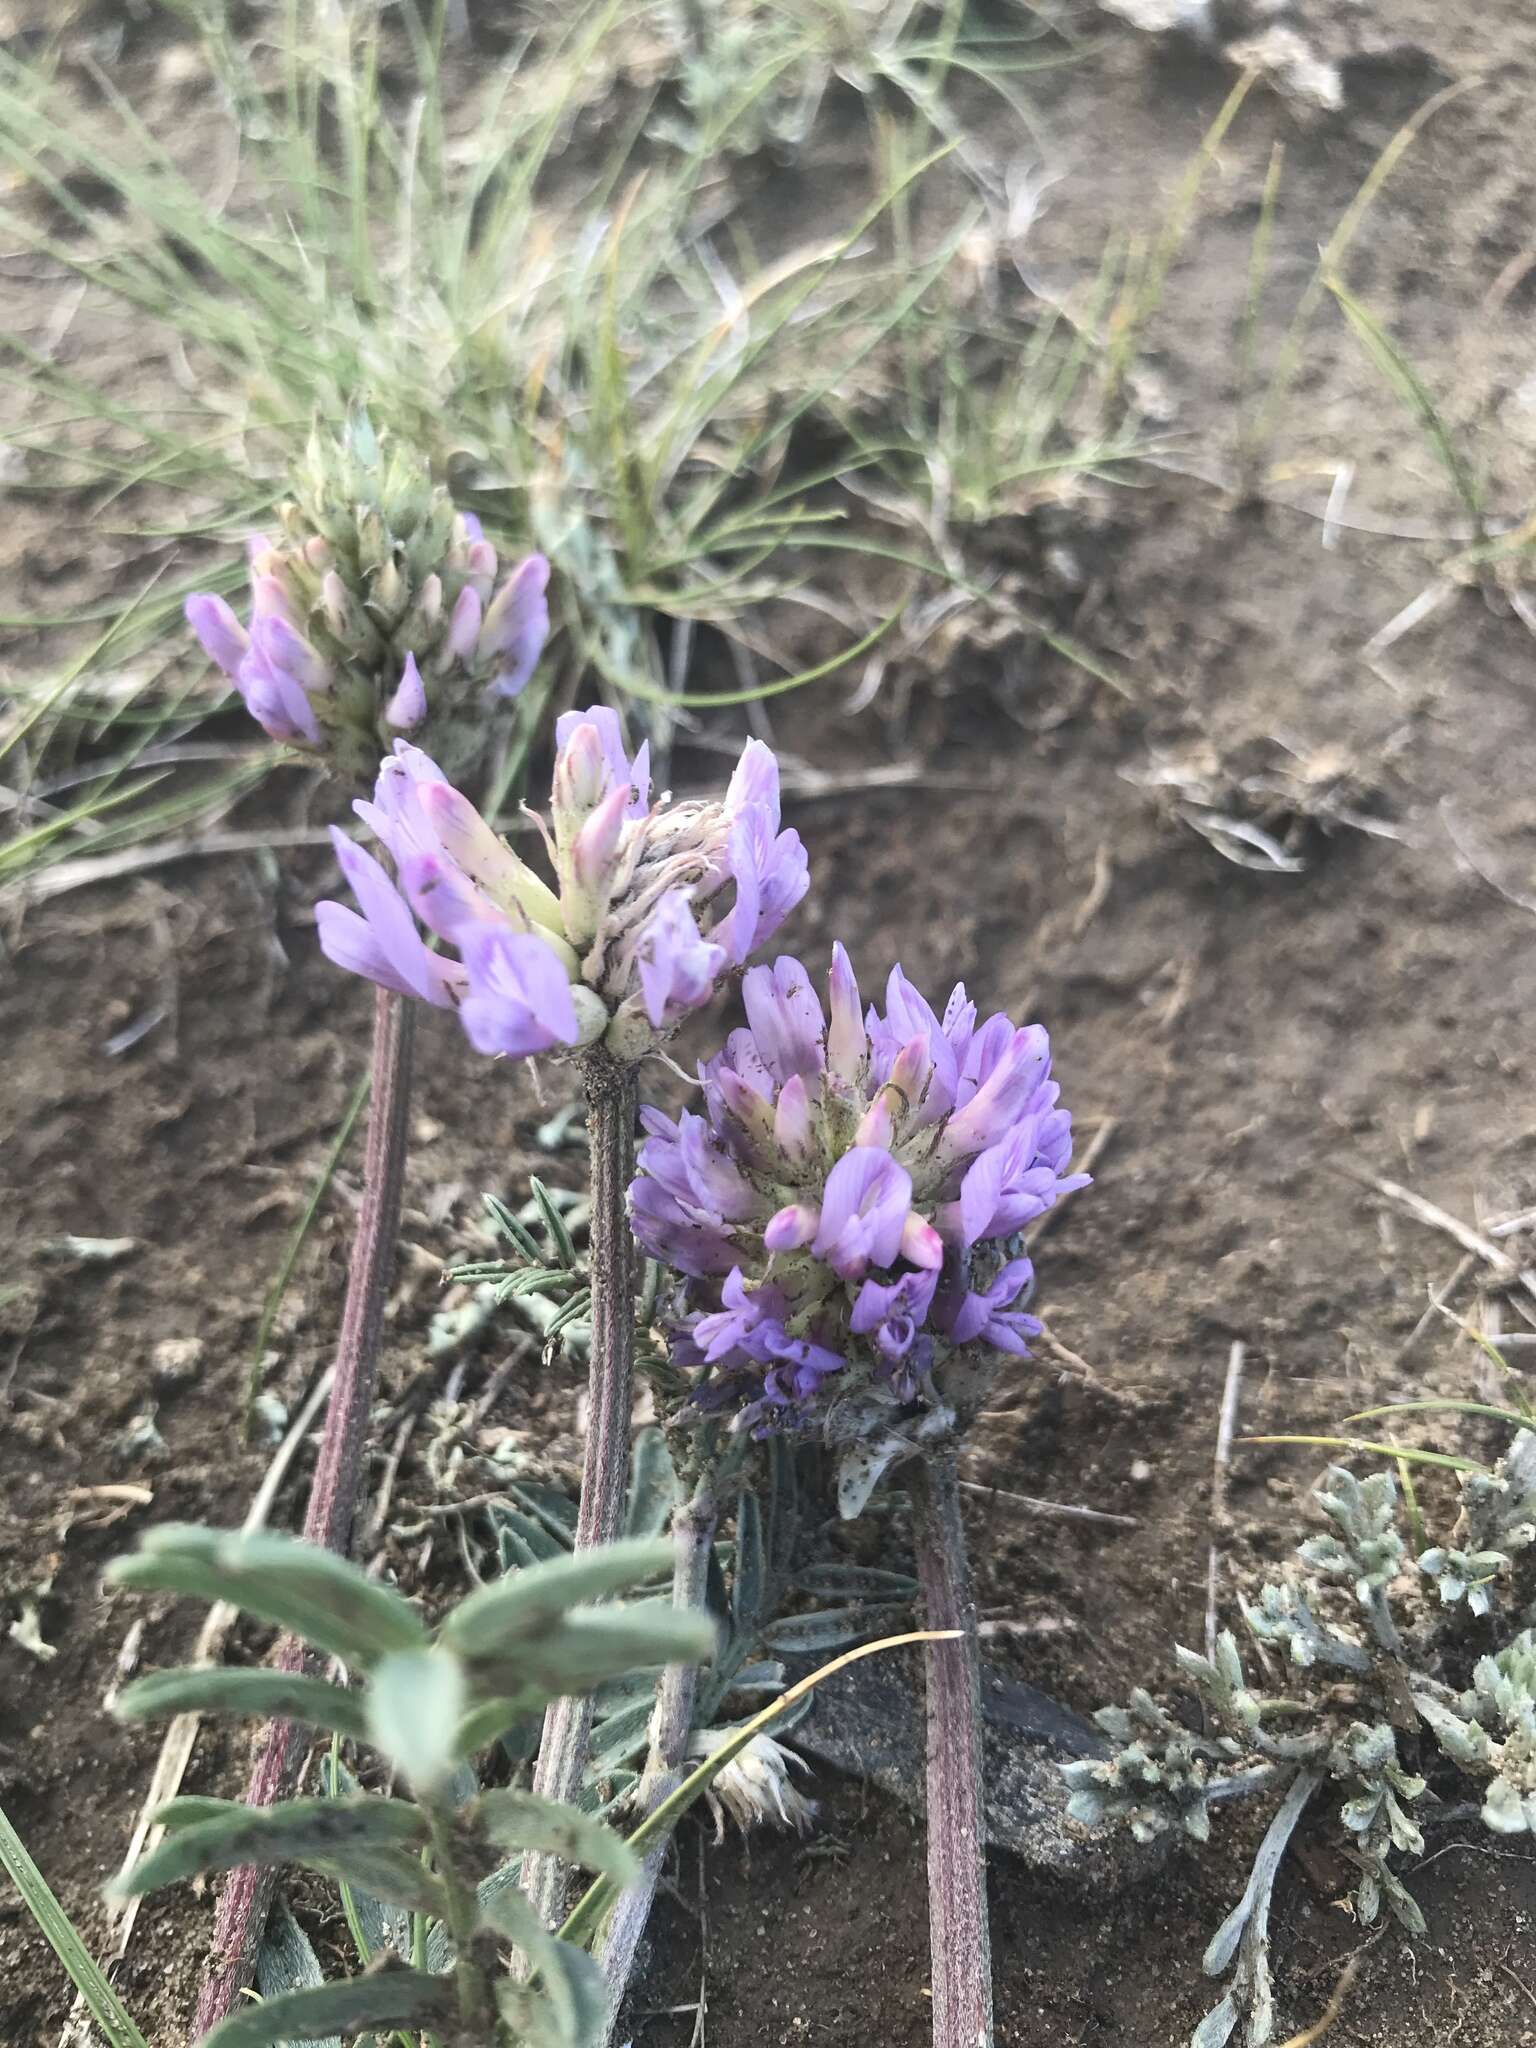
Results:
x,y
618,951
844,1216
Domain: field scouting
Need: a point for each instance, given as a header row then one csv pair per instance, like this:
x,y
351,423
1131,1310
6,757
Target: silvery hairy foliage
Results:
x,y
427,1702
1358,1692
770,1594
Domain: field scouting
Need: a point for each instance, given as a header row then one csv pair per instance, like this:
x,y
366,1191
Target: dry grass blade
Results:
x,y
69,875
1330,2012
1499,1262
1231,1396
1050,1510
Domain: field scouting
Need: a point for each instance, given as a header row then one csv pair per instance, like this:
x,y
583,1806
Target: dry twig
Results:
x,y
1499,1262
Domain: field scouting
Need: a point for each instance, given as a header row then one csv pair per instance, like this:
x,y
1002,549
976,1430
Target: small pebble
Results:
x,y
176,1360
1141,1471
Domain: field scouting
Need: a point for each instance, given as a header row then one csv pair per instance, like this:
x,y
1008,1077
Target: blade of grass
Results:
x,y
1400,374
106,2008
1147,291
1509,1415
1253,302
1442,1459
1411,1502
1288,356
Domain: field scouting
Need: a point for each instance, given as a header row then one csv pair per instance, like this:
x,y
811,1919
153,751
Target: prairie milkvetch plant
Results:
x,y
1387,1691
651,905
844,1223
844,1216
378,610
430,1702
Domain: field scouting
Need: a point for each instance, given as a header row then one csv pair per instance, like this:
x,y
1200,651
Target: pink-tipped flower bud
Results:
x,y
791,1227
408,707
464,624
581,781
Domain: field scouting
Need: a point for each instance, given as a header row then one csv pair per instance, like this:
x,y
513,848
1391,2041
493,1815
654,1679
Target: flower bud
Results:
x,y
408,707
464,624
581,781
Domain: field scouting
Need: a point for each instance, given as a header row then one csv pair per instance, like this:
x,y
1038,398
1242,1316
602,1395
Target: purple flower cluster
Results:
x,y
651,905
324,662
845,1213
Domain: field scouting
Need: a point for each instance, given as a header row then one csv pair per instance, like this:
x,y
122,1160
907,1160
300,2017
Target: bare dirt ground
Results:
x,y
1247,1035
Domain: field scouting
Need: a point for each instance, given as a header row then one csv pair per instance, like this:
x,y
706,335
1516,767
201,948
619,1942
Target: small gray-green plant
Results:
x,y
431,1701
1384,1691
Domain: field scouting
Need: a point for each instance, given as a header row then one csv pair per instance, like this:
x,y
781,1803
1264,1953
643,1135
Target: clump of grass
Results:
x,y
568,318
547,320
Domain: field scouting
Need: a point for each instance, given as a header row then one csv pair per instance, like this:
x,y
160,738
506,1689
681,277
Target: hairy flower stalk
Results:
x,y
247,1895
648,907
566,1736
960,1942
694,1522
375,611
378,610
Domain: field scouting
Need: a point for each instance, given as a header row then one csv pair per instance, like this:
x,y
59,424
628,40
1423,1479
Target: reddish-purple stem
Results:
x,y
334,1490
957,1866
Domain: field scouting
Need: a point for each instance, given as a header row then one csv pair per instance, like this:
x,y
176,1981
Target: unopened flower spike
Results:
x,y
378,610
649,905
845,1214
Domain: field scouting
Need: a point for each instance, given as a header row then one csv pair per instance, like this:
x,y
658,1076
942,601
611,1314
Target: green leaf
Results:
x,y
652,1487
497,1616
260,1695
190,1808
383,1998
749,1579
619,1737
828,1629
373,1924
522,1541
858,1582
573,1985
287,1961
596,1643
522,1820
783,1516
569,2008
554,1223
102,2002
416,1702
496,1721
319,1596
364,1840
